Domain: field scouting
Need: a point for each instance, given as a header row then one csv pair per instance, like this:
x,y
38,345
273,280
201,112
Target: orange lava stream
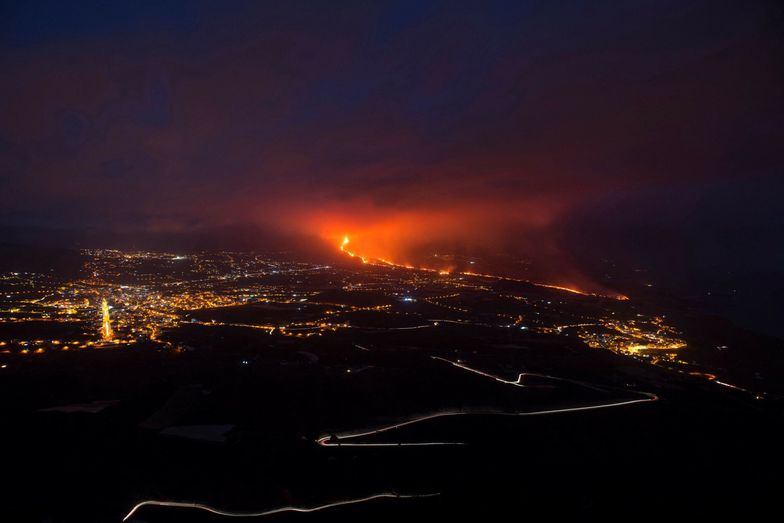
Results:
x,y
389,263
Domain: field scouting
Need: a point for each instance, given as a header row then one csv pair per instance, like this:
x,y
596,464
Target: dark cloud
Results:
x,y
489,124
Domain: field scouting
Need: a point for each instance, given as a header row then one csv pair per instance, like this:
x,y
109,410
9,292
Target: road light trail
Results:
x,y
207,508
519,381
338,440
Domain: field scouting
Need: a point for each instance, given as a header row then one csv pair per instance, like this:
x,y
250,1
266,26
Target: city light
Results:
x,y
106,326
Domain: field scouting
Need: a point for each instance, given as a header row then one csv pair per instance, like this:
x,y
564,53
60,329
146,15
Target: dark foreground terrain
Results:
x,y
700,450
232,386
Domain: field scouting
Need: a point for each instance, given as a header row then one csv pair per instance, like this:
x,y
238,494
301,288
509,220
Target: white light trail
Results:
x,y
325,440
201,506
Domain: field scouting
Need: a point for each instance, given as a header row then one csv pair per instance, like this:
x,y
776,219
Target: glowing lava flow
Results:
x,y
389,263
344,250
384,261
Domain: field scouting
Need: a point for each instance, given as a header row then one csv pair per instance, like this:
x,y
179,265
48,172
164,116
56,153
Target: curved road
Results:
x,y
200,506
339,439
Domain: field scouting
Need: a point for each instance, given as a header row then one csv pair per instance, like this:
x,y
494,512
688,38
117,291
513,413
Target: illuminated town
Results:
x,y
438,346
130,298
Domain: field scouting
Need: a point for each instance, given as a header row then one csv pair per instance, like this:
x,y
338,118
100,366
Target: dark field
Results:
x,y
697,451
243,384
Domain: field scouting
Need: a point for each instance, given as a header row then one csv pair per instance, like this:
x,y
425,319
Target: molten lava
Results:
x,y
444,272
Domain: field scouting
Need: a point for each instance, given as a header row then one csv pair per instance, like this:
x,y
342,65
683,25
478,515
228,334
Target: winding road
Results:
x,y
207,508
343,439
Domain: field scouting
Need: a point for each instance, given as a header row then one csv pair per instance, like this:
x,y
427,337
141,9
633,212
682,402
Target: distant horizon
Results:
x,y
646,133
752,307
397,260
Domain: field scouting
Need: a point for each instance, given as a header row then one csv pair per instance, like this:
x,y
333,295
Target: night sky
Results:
x,y
647,132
